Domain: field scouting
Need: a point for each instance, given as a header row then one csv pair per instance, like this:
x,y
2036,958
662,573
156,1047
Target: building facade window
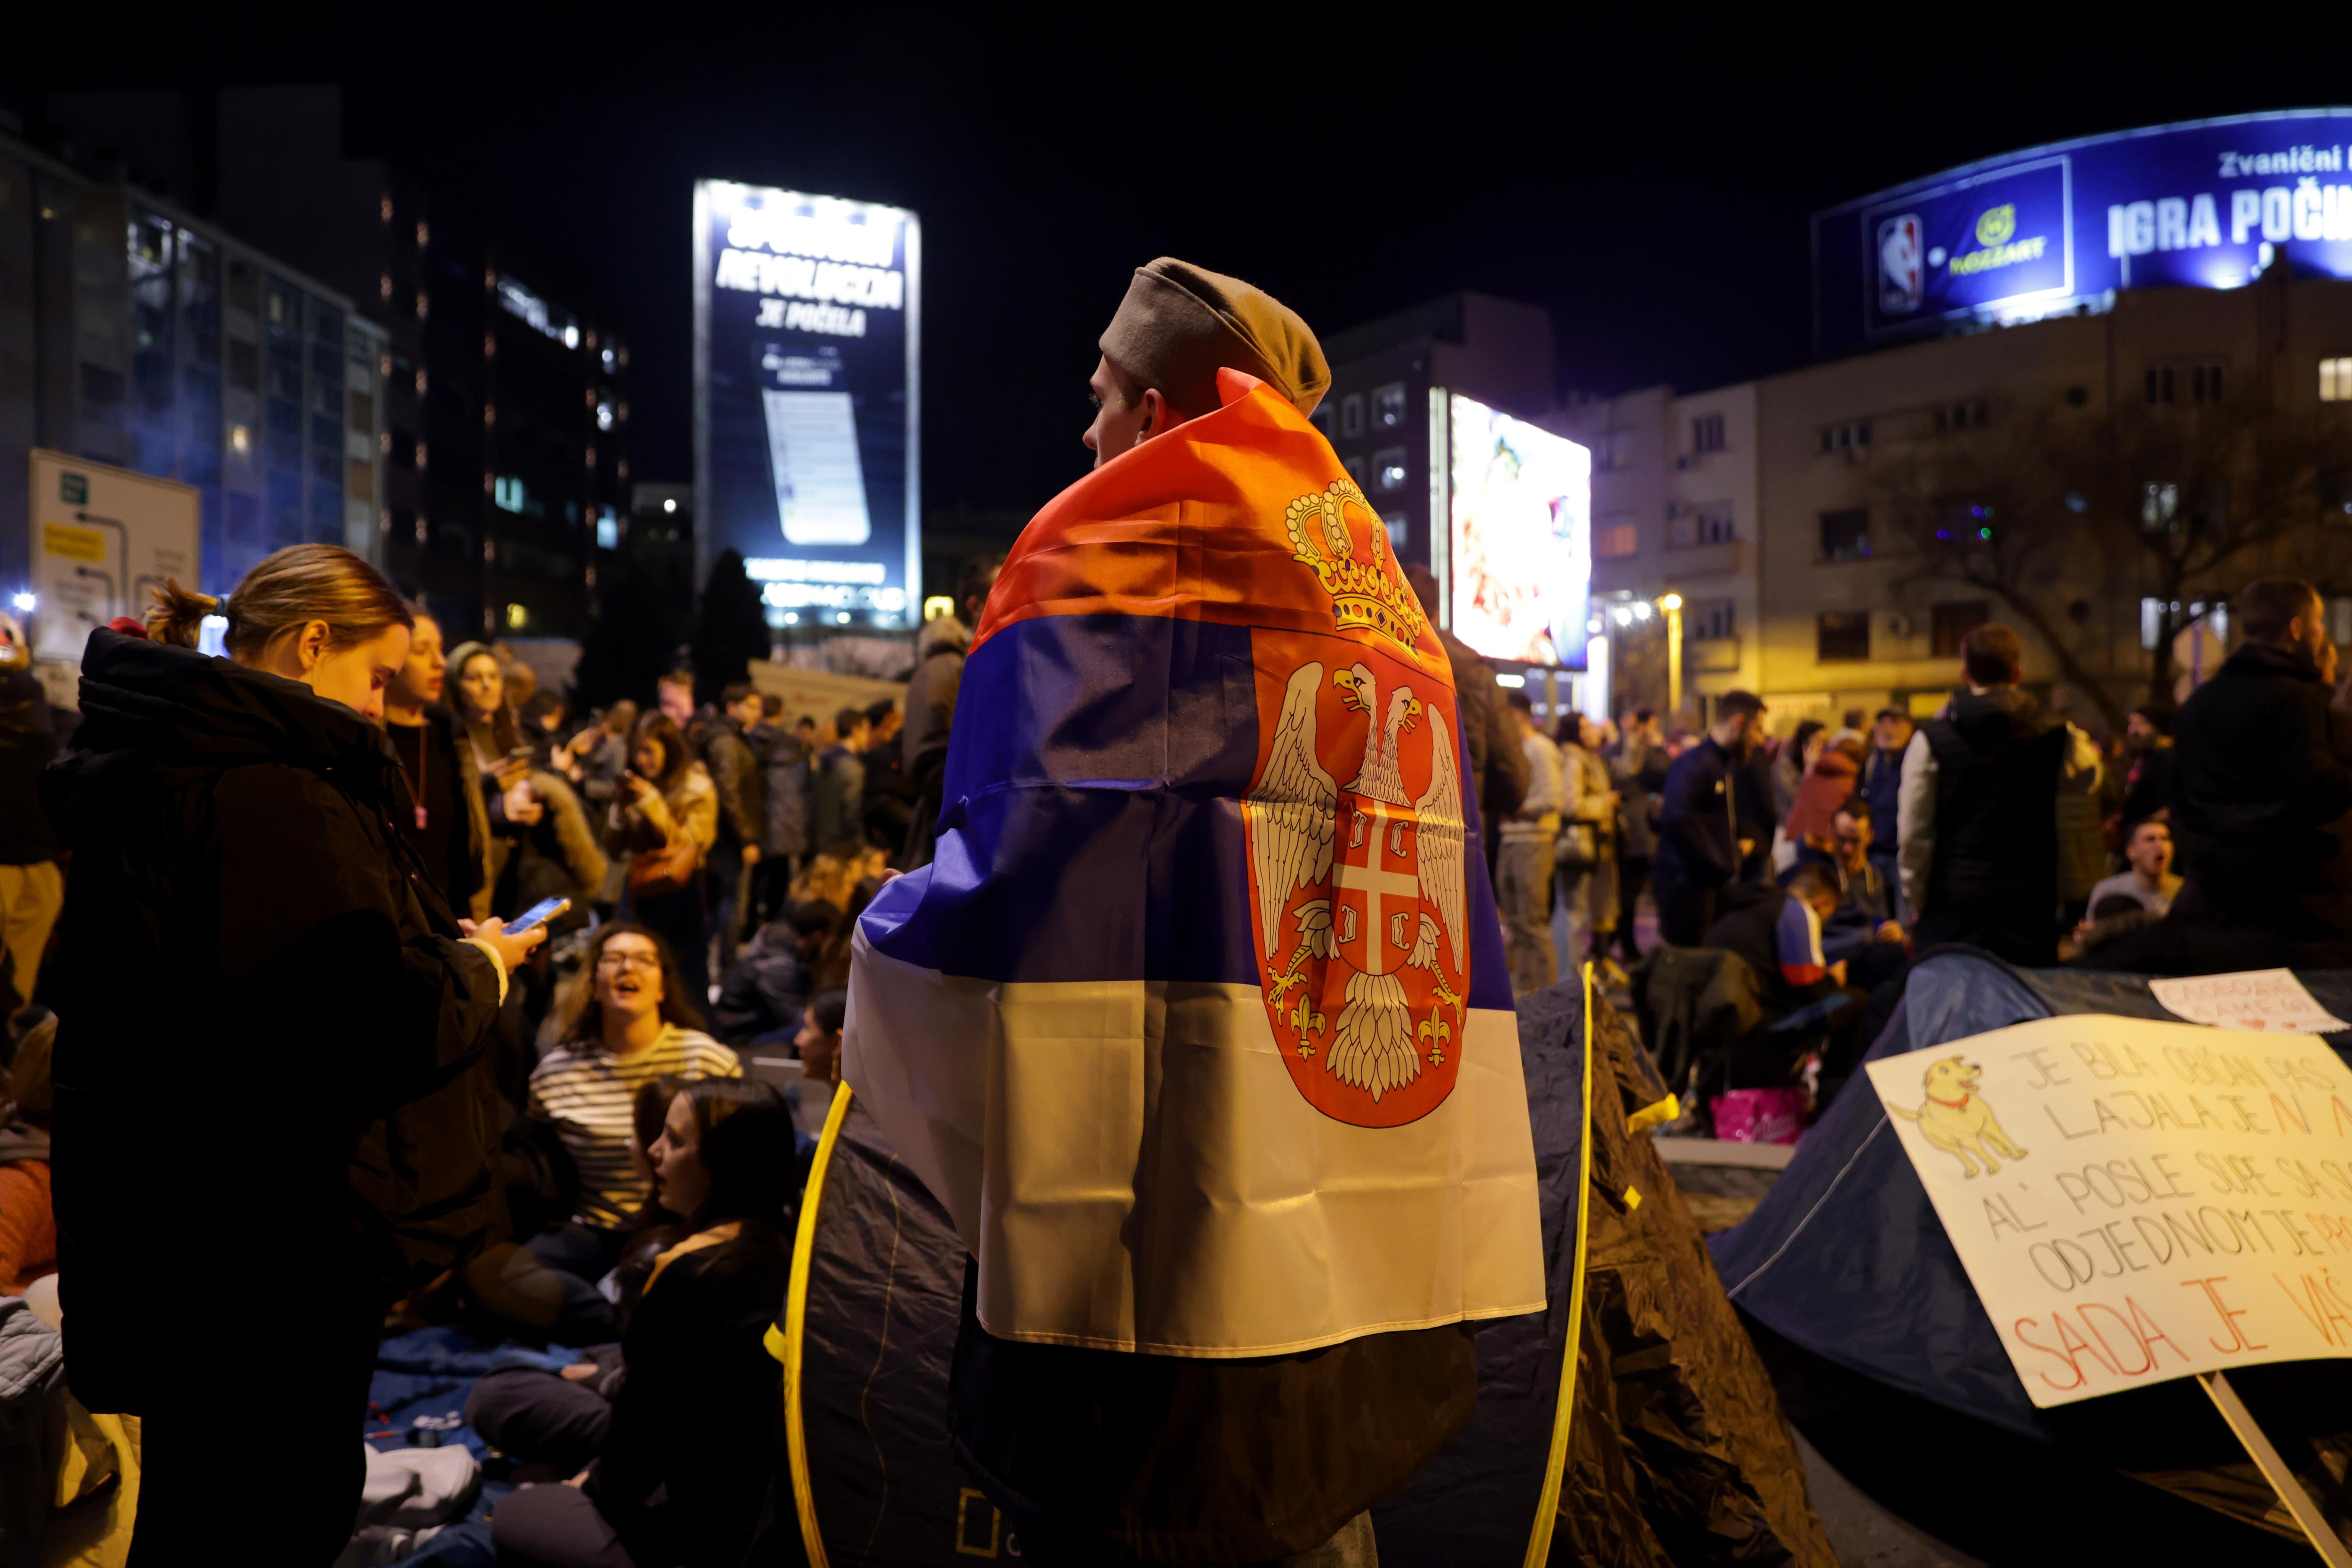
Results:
x,y
1845,534
2336,379
1714,620
1707,433
1613,450
2334,493
1713,525
1388,406
1847,438
1953,620
1389,468
1959,416
1357,469
1843,637
2184,384
1615,540
1351,415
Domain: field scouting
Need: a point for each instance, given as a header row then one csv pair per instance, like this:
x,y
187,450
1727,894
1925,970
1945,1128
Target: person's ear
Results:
x,y
312,645
1155,415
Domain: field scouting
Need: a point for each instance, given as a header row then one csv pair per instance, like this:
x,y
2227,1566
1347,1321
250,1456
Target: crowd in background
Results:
x,y
593,1133
1831,857
599,1139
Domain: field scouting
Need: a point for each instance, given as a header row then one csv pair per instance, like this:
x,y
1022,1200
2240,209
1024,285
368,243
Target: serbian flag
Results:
x,y
1198,1024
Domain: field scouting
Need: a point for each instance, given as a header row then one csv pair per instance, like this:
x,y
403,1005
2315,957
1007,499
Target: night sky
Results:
x,y
1651,184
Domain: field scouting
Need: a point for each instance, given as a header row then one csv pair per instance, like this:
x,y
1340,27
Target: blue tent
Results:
x,y
1847,1276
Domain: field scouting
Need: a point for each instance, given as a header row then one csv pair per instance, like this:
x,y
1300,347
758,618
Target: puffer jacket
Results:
x,y
247,943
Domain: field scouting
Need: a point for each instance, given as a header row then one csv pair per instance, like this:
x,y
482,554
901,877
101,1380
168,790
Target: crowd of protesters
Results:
x,y
2213,837
571,1139
592,1132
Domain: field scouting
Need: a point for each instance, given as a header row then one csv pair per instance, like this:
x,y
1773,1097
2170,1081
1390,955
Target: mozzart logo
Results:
x,y
1995,235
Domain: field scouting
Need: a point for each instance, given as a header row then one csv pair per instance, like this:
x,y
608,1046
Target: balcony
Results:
x,y
1703,561
1714,655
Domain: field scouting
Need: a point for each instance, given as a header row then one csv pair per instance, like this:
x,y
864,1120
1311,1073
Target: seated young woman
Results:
x,y
28,1226
674,1466
627,1021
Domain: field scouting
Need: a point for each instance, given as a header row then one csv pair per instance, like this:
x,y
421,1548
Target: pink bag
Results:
x,y
1760,1115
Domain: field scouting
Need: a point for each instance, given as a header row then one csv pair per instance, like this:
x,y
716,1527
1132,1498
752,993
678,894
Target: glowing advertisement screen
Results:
x,y
1519,546
806,416
2052,230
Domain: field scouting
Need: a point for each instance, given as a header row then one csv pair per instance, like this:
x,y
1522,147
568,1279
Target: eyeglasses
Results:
x,y
624,959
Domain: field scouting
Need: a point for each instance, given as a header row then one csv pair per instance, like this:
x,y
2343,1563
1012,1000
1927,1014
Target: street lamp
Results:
x,y
1673,605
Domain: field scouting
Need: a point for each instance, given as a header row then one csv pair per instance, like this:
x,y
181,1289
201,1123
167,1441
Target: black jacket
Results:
x,y
686,1462
29,740
2151,787
1704,811
1994,878
743,786
2262,801
247,947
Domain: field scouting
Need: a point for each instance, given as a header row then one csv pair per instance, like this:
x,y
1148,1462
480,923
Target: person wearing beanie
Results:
x,y
1177,328
1274,1338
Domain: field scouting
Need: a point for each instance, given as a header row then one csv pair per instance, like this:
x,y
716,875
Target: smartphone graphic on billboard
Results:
x,y
812,448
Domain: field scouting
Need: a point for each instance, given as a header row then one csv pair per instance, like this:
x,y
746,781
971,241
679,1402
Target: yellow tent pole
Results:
x,y
796,1320
1555,1467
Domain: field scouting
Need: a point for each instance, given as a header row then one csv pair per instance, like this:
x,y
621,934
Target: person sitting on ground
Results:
x,y
28,1226
626,1020
1864,933
673,1468
2150,881
760,999
833,960
2116,915
1778,932
819,1040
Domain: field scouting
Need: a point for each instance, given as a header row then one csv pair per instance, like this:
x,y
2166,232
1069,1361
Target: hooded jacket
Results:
x,y
248,944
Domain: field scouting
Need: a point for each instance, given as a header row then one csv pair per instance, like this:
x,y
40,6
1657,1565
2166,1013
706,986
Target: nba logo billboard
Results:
x,y
1899,248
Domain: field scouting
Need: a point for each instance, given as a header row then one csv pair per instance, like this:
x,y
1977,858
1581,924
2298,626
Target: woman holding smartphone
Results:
x,y
249,951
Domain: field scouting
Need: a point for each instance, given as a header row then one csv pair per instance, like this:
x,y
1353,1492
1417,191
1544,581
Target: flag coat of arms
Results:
x,y
1198,1024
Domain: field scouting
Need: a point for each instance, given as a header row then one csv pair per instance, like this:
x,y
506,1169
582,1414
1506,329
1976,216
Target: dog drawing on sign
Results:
x,y
1955,1119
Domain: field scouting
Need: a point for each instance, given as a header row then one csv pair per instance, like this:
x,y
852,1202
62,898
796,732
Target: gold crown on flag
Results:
x,y
1366,592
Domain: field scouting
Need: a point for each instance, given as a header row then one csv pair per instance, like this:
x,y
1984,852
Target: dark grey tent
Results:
x,y
1677,1454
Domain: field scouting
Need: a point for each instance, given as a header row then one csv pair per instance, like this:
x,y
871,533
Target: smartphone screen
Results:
x,y
546,909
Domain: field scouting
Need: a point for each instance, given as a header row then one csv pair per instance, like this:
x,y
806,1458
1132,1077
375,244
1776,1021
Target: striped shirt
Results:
x,y
590,1097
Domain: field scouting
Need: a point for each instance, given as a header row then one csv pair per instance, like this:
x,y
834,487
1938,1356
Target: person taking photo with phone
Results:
x,y
247,943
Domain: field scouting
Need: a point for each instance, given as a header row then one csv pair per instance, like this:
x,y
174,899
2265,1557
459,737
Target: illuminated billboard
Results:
x,y
2205,205
1518,549
806,355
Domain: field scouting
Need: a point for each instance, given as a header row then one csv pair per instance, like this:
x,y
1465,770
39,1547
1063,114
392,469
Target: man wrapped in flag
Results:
x,y
1198,1024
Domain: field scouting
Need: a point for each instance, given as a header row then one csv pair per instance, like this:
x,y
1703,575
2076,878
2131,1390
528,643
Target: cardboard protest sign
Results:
x,y
2137,1201
2271,1000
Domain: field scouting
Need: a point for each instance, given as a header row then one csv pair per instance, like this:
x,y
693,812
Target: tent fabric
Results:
x,y
1677,1450
1678,1453
884,1295
1846,1258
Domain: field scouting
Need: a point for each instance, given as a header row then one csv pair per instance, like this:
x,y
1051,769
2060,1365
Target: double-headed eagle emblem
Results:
x,y
1385,875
